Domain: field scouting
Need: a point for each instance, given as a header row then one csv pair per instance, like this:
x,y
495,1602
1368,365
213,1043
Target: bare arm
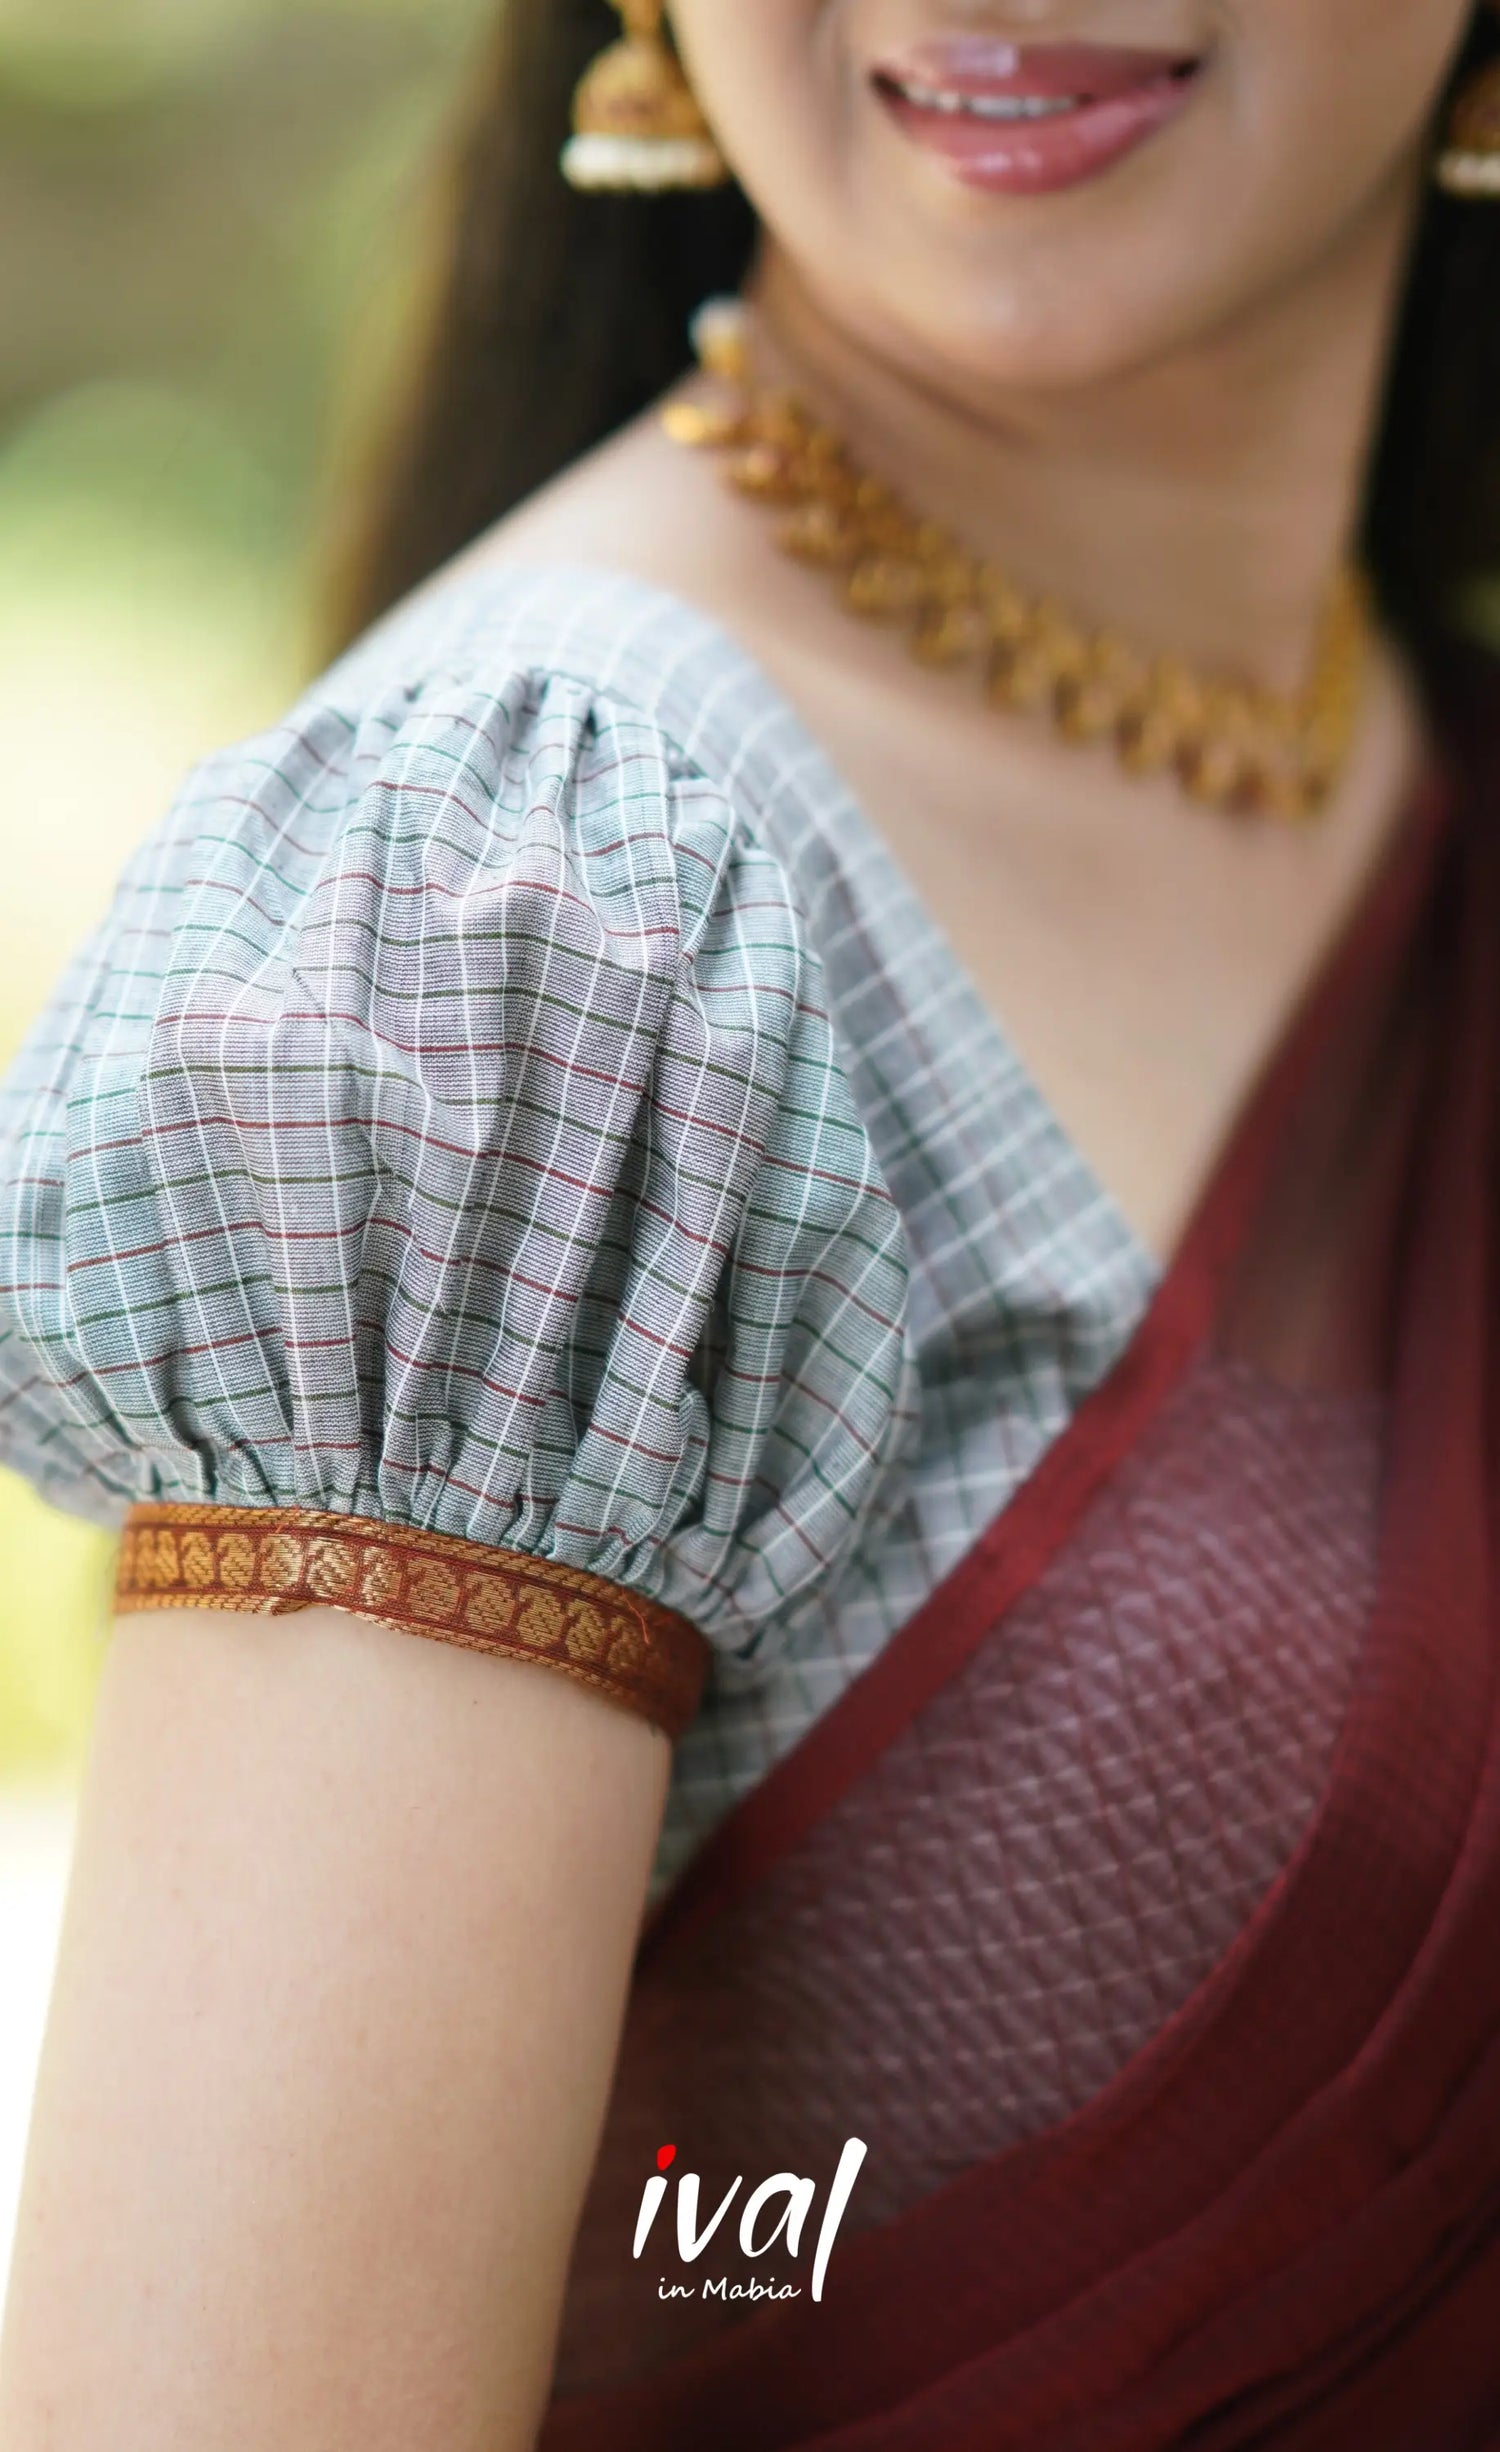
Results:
x,y
341,1977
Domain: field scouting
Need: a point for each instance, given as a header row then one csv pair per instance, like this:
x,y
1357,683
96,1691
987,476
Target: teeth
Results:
x,y
992,106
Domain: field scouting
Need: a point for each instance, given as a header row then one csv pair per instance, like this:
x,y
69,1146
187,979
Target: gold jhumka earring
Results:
x,y
1469,164
637,125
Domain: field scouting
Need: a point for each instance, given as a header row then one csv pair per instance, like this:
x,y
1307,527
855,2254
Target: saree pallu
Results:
x,y
1234,2179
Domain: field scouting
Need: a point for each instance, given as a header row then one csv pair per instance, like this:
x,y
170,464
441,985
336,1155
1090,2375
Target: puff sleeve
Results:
x,y
436,1190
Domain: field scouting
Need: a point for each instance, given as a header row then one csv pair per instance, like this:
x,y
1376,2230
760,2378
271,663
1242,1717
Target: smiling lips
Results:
x,y
1026,121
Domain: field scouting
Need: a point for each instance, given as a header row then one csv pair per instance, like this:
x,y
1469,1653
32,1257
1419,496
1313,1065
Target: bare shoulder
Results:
x,y
640,505
633,504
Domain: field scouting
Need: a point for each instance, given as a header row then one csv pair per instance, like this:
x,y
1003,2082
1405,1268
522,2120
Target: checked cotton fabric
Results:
x,y
518,1097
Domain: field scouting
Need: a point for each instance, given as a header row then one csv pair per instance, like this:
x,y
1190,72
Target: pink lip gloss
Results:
x,y
1029,120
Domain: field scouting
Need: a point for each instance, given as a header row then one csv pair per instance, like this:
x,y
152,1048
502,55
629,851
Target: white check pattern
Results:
x,y
1027,1282
823,1163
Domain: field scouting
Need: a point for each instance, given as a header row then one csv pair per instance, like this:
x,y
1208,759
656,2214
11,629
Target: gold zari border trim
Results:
x,y
271,1562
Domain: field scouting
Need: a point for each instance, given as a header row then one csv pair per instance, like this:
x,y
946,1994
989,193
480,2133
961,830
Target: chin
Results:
x,y
1058,292
1031,334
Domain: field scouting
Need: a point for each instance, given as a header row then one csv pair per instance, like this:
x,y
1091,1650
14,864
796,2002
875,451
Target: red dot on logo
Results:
x,y
665,2157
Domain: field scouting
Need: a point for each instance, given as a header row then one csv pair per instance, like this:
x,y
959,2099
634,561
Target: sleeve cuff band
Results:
x,y
271,1562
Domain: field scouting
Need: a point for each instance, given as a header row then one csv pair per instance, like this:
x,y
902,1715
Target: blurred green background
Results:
x,y
214,215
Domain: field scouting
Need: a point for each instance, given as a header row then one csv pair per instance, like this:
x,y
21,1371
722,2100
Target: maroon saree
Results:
x,y
1230,2176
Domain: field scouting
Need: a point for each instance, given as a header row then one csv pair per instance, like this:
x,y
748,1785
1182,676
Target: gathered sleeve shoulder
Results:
x,y
437,1190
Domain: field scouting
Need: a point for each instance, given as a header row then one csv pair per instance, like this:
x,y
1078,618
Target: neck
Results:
x,y
1200,503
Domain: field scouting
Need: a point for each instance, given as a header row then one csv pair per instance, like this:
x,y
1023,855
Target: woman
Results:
x,y
920,1227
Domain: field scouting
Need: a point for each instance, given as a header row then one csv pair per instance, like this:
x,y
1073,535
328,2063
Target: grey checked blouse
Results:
x,y
518,1097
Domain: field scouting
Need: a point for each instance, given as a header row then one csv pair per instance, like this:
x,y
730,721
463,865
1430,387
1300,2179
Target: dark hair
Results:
x,y
560,316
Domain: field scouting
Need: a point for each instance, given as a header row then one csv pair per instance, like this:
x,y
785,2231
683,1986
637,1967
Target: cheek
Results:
x,y
767,73
782,84
1348,86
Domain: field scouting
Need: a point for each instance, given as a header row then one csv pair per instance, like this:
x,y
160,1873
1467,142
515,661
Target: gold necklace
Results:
x,y
1230,743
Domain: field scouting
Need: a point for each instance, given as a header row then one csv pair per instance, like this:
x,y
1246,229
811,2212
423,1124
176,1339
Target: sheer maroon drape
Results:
x,y
1140,1908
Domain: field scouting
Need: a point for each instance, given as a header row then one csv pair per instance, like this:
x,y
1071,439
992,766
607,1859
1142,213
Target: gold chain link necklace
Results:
x,y
1230,743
